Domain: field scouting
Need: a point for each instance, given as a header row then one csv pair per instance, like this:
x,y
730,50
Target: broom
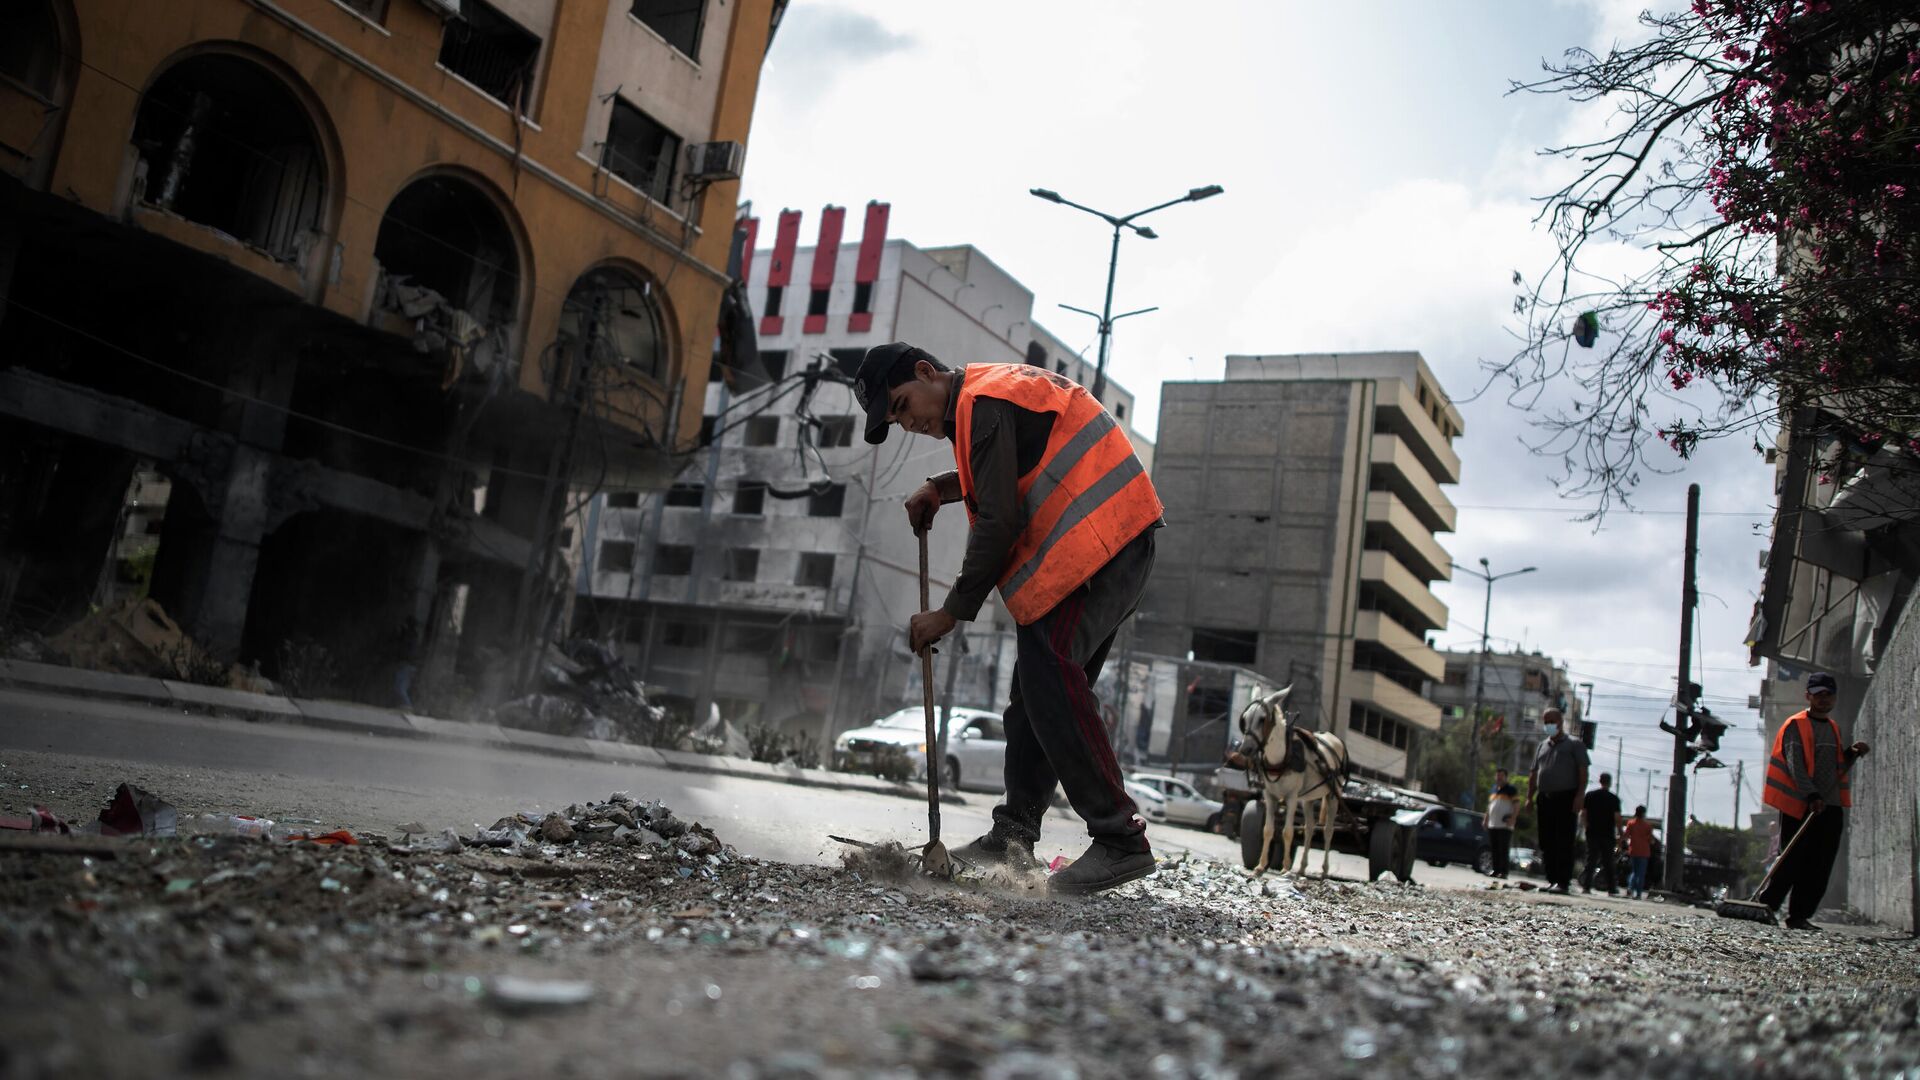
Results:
x,y
1752,909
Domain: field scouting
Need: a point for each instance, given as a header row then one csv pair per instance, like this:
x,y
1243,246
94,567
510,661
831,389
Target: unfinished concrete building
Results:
x,y
369,283
775,578
1515,689
1303,497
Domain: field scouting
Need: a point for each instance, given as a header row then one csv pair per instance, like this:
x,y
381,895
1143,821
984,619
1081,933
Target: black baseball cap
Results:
x,y
1820,680
883,368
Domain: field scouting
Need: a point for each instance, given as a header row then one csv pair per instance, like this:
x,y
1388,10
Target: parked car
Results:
x,y
1152,804
1524,859
1452,835
976,746
1185,806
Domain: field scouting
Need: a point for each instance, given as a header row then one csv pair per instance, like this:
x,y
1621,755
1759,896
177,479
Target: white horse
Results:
x,y
1288,763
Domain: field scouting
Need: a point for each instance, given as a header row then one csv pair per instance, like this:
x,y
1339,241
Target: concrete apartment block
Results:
x,y
1303,494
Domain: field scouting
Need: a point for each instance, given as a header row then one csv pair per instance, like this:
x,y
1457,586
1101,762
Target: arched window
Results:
x,y
442,233
224,142
618,315
30,45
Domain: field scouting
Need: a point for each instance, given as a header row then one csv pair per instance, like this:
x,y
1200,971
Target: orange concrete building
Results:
x,y
373,282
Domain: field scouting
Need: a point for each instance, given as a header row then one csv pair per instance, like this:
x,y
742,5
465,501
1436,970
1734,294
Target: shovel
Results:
x,y
1753,909
933,858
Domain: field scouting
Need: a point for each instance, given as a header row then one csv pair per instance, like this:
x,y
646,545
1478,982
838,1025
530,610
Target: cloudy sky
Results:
x,y
1378,183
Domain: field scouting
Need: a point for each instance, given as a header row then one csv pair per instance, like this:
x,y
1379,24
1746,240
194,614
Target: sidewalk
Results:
x,y
245,707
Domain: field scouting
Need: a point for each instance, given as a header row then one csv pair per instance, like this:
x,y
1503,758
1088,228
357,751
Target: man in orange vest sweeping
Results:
x,y
1062,518
1807,783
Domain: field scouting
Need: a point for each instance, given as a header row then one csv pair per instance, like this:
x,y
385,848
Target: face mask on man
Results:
x,y
1552,730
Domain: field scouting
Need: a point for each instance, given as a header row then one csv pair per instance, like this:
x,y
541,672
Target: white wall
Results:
x,y
678,91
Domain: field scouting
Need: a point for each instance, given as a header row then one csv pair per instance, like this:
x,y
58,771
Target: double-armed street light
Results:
x,y
1106,316
1486,574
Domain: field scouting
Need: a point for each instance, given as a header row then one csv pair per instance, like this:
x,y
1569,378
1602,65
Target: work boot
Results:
x,y
1101,867
1798,923
995,850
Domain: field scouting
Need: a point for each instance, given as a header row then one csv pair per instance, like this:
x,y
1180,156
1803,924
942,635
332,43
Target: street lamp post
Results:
x,y
1646,797
1480,679
1106,316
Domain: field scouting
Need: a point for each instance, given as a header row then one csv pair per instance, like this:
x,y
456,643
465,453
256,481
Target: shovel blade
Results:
x,y
935,861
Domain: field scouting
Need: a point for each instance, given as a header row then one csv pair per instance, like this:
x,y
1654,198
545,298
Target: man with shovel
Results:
x,y
1807,782
1062,517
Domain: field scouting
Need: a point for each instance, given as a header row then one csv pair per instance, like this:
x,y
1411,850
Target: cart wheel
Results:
x,y
1253,821
1382,858
1407,841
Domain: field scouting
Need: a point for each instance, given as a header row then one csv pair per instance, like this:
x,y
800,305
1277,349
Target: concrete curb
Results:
x,y
343,716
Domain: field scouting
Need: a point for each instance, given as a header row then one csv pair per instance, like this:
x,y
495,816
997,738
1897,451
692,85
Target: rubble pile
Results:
x,y
619,820
615,938
135,637
588,692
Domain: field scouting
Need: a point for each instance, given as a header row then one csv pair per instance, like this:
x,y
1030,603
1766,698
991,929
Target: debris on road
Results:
x,y
137,812
38,820
512,993
588,692
370,959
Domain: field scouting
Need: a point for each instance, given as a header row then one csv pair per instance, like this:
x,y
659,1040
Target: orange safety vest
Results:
x,y
1086,499
1780,793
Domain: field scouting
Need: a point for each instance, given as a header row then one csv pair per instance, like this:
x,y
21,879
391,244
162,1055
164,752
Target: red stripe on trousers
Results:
x,y
1080,699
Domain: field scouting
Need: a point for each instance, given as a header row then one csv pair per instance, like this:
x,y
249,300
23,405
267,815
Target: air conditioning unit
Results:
x,y
711,161
446,9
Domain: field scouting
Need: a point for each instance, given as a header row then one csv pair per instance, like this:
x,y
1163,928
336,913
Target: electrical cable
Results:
x,y
288,411
146,99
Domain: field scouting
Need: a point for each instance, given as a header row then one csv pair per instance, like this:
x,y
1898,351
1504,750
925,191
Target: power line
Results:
x,y
1631,512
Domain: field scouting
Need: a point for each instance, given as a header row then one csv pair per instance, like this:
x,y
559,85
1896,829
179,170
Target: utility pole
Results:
x,y
1676,838
1619,759
1486,574
850,634
1739,774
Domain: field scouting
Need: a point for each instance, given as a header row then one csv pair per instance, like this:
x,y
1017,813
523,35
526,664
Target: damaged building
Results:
x,y
1837,596
1304,495
774,579
366,286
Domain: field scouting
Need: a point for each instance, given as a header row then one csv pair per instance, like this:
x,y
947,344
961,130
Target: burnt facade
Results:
x,y
363,293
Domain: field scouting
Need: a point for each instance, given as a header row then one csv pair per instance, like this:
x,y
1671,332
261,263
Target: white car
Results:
x,y
1184,805
976,746
1152,804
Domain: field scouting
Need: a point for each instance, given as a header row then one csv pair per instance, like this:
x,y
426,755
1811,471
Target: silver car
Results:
x,y
976,746
1184,805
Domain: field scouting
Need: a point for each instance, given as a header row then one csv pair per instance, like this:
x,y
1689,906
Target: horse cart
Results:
x,y
1380,822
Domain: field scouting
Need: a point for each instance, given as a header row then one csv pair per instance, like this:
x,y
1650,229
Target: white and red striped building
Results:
x,y
776,577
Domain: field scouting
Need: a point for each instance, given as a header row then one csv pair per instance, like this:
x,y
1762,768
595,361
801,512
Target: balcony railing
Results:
x,y
1403,643
1379,692
1412,482
1386,572
1385,510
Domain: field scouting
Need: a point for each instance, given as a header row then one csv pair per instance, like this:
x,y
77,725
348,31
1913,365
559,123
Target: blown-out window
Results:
x,y
641,151
30,45
441,233
492,52
617,317
225,143
678,21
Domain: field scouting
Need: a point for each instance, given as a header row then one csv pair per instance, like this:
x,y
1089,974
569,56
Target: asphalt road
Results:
x,y
70,754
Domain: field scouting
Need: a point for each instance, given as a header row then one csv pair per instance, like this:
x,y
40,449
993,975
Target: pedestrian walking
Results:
x,y
1807,782
1637,835
1556,789
1502,811
1062,520
1601,809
